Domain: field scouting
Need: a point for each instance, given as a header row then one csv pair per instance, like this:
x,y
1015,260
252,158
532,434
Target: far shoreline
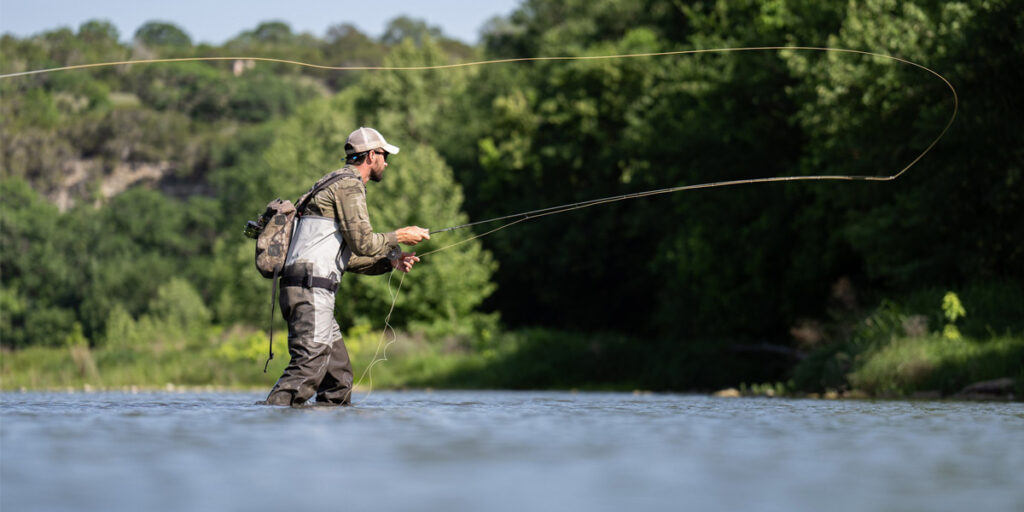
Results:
x,y
727,393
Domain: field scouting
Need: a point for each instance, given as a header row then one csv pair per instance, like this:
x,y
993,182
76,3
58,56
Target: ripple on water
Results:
x,y
471,450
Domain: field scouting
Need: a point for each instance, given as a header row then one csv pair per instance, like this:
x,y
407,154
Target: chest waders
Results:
x,y
307,280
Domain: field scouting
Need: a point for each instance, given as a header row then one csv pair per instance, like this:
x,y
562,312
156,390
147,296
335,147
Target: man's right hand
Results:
x,y
412,235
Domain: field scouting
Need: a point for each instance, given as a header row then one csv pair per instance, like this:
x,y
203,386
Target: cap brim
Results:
x,y
390,149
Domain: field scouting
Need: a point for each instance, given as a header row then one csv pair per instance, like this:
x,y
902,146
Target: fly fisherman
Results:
x,y
334,236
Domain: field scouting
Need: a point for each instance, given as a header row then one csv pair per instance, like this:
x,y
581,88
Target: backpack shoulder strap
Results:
x,y
324,182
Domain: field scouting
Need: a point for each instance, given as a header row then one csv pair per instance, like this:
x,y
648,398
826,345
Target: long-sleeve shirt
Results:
x,y
345,202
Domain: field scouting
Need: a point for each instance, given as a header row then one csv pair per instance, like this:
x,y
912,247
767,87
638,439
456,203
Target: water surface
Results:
x,y
473,450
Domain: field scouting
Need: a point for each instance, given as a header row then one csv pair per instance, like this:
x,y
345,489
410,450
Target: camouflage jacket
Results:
x,y
344,201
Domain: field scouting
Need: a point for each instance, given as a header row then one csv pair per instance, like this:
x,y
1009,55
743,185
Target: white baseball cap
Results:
x,y
367,139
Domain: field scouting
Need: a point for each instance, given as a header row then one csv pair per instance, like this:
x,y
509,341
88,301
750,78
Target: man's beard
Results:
x,y
376,175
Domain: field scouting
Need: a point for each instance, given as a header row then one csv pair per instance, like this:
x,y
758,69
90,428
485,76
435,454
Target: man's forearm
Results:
x,y
368,265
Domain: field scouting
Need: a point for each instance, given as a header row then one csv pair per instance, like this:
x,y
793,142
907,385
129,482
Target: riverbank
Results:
x,y
766,390
926,367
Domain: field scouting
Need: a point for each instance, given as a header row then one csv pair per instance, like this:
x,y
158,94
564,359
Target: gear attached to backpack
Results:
x,y
273,234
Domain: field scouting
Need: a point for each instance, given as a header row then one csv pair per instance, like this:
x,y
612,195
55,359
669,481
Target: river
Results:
x,y
496,450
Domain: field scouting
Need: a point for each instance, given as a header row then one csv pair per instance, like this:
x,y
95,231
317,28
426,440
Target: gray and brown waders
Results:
x,y
319,363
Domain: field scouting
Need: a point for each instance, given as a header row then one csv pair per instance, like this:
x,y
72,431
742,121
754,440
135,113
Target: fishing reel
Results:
x,y
253,228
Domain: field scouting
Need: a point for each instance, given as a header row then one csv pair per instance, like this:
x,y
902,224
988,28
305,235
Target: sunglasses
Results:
x,y
385,153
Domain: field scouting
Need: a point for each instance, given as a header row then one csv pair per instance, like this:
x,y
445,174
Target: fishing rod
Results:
x,y
552,210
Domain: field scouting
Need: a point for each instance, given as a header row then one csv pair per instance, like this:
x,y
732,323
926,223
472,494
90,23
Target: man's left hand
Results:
x,y
405,262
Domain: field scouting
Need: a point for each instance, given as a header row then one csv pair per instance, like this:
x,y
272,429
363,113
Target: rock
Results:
x,y
727,393
988,389
926,395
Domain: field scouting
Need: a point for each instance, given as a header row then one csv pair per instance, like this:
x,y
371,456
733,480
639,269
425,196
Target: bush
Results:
x,y
47,326
177,304
937,363
899,349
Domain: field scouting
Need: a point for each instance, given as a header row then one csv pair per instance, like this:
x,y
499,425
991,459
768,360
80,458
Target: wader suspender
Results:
x,y
277,271
270,328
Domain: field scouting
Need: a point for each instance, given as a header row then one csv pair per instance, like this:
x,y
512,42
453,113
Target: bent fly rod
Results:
x,y
552,210
516,218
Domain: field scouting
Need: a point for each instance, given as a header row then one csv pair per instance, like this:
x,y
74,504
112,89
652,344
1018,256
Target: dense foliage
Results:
x,y
746,261
124,188
151,171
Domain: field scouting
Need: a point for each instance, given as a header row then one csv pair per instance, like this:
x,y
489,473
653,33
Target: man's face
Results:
x,y
378,164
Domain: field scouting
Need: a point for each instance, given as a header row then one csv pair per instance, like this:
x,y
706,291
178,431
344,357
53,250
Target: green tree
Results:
x,y
178,304
98,31
866,116
419,32
158,34
193,88
419,189
275,39
562,132
346,45
404,27
98,42
273,32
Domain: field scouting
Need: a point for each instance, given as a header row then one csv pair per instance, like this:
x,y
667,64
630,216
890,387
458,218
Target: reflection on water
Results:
x,y
506,451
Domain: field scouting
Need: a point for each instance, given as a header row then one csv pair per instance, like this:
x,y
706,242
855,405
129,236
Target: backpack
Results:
x,y
273,233
273,229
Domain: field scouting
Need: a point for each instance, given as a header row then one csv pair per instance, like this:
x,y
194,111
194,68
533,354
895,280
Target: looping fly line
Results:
x,y
543,212
520,217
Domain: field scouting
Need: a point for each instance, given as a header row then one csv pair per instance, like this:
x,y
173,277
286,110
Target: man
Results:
x,y
334,236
